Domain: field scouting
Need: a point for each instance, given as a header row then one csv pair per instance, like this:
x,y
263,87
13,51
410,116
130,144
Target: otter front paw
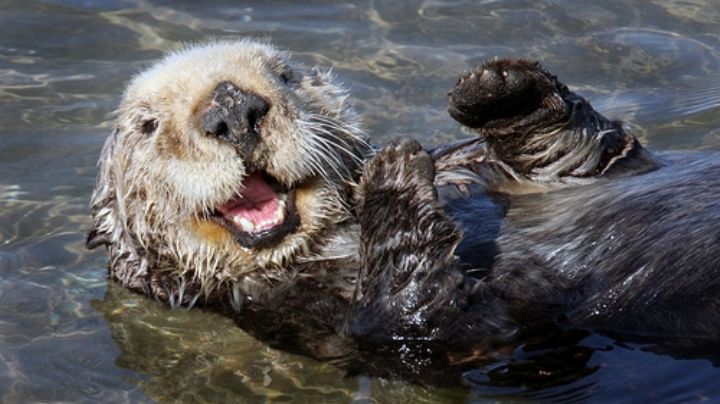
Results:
x,y
538,129
400,216
399,175
500,92
407,285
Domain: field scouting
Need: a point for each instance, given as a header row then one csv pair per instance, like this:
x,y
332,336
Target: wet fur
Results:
x,y
633,247
155,190
552,216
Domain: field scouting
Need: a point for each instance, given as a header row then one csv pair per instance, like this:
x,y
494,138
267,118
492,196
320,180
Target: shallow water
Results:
x,y
68,335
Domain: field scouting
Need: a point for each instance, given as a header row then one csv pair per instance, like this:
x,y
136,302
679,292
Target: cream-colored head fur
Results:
x,y
161,175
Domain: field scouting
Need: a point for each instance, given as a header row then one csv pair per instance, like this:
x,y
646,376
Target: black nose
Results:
x,y
234,113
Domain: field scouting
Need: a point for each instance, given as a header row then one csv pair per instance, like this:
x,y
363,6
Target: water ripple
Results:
x,y
67,335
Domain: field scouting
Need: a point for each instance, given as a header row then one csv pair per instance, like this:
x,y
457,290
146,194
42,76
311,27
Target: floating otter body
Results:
x,y
238,181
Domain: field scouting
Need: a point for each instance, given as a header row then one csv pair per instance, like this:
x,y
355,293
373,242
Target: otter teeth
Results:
x,y
280,212
249,226
245,225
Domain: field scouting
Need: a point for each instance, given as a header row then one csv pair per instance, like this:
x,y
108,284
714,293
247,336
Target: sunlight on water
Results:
x,y
68,335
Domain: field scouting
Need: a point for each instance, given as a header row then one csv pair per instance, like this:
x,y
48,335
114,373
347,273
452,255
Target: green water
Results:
x,y
68,335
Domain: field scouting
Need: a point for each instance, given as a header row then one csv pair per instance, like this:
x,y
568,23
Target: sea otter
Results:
x,y
238,180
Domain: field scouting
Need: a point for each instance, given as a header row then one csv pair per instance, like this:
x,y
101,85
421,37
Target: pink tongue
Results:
x,y
257,202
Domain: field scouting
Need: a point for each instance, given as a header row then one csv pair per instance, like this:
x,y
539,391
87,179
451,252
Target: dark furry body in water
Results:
x,y
554,217
477,246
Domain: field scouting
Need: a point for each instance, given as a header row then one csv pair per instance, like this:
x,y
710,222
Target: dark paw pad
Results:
x,y
402,159
498,90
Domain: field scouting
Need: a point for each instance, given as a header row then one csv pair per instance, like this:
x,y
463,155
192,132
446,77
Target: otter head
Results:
x,y
227,159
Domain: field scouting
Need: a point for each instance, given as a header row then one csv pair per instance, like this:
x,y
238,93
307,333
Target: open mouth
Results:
x,y
262,214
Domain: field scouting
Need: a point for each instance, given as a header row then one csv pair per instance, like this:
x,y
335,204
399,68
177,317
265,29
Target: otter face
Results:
x,y
226,159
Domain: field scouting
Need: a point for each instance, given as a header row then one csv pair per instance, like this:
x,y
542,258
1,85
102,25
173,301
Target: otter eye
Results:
x,y
286,75
149,126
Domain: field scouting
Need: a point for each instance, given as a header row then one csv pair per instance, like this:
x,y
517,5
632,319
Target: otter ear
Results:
x,y
318,77
104,202
325,86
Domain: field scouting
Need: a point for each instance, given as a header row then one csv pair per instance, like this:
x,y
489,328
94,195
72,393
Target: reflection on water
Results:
x,y
66,335
208,355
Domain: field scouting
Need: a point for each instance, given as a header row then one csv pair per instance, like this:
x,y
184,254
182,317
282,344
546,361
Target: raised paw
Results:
x,y
407,284
402,169
535,128
501,92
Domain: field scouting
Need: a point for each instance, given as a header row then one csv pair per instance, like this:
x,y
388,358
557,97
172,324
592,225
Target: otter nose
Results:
x,y
234,113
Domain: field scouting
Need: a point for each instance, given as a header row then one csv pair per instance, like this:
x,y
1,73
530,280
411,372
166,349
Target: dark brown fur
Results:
x,y
615,251
553,217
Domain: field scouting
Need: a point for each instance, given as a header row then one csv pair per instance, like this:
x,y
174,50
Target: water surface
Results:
x,y
68,335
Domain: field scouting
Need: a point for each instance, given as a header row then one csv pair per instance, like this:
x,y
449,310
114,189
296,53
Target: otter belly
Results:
x,y
639,252
480,215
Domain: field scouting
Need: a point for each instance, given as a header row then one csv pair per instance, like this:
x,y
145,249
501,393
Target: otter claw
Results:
x,y
400,160
400,167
